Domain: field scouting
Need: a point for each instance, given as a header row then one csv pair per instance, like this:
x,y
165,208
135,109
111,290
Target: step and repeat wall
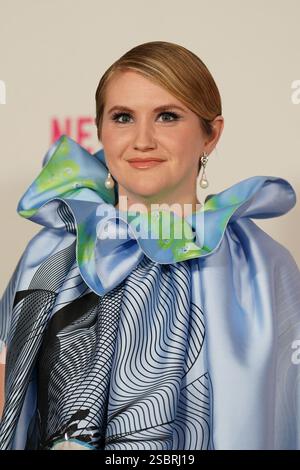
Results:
x,y
54,52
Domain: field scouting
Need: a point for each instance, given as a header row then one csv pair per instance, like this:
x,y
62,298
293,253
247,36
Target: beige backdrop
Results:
x,y
53,53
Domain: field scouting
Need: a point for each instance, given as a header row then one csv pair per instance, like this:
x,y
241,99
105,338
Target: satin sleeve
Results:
x,y
6,307
287,394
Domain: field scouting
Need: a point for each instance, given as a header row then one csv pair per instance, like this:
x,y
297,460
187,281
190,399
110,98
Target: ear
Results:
x,y
212,140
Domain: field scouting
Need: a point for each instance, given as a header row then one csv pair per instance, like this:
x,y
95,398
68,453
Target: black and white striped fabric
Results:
x,y
31,311
123,371
74,370
126,370
160,390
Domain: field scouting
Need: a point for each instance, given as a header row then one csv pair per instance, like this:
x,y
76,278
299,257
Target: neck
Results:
x,y
182,207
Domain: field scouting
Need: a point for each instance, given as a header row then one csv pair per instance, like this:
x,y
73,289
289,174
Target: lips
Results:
x,y
145,163
145,160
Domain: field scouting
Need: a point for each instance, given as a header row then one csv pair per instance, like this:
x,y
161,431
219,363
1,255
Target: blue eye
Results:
x,y
173,115
116,116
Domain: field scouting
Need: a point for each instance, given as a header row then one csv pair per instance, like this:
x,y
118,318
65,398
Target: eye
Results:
x,y
169,113
174,117
116,116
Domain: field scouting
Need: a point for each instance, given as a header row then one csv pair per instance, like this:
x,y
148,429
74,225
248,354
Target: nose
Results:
x,y
143,138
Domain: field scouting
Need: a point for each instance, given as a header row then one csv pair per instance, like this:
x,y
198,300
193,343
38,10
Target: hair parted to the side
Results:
x,y
181,72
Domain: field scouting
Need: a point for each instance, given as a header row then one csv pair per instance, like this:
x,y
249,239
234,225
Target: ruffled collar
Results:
x,y
106,235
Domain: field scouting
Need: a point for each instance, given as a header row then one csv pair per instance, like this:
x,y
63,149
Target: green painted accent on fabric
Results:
x,y
215,203
64,146
86,244
205,249
211,204
233,199
58,170
28,213
180,235
225,217
89,183
170,231
62,175
57,173
185,250
168,225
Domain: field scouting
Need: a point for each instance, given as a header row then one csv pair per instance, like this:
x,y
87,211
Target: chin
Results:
x,y
145,190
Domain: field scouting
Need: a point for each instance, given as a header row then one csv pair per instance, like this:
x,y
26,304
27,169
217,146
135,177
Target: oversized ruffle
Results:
x,y
70,192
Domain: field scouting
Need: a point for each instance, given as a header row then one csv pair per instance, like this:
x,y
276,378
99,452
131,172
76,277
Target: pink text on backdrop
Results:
x,y
79,129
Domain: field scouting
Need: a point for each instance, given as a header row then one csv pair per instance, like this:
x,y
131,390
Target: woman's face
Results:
x,y
136,129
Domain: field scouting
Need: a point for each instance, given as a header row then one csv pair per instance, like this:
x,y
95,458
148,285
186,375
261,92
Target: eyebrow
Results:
x,y
159,108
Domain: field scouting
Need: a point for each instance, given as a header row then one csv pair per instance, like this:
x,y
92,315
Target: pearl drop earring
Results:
x,y
203,180
109,182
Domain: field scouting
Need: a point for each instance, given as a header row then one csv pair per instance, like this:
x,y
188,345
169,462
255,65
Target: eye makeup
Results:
x,y
116,115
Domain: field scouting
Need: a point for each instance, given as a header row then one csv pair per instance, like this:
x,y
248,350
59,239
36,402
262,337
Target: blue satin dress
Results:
x,y
121,338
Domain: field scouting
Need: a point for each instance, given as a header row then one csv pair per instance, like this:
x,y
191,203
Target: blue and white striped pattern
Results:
x,y
121,371
114,370
152,404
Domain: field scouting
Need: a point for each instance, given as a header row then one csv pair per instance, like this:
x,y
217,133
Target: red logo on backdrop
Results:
x,y
80,129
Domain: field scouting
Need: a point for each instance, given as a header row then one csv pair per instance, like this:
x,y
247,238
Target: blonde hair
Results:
x,y
173,67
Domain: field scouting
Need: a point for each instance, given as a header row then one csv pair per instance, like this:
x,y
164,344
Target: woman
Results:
x,y
119,336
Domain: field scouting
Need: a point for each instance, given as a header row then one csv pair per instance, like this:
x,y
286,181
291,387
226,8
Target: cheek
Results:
x,y
184,151
112,150
184,140
115,143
